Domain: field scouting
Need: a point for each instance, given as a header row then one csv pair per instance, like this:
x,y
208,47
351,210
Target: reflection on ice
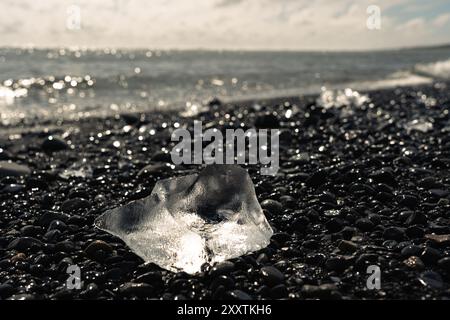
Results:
x,y
194,219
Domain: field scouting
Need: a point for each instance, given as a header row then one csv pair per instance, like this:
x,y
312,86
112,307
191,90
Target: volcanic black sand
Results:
x,y
354,189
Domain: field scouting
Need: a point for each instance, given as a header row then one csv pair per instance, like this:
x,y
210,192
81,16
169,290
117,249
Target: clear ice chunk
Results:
x,y
187,221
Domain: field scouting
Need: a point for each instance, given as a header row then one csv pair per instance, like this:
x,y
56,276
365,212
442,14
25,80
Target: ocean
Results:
x,y
76,83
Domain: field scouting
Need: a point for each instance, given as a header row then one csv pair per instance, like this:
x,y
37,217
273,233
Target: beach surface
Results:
x,y
360,184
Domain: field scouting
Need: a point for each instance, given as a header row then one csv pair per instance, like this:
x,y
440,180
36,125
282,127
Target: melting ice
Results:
x,y
187,221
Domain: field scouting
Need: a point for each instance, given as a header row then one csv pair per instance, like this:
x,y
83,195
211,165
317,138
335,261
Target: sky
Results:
x,y
224,24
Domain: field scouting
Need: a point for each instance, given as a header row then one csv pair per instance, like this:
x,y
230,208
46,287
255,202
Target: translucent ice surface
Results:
x,y
190,220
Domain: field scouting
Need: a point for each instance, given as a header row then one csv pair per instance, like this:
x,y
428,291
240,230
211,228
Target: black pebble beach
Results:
x,y
354,189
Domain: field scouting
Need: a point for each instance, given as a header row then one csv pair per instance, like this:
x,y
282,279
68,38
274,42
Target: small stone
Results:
x,y
393,233
444,264
273,206
271,276
364,224
430,255
75,204
97,249
6,290
24,243
239,295
441,239
415,263
278,292
136,289
316,179
408,201
431,279
385,175
439,193
54,143
221,268
416,218
10,169
321,291
411,250
347,246
337,264
334,225
23,296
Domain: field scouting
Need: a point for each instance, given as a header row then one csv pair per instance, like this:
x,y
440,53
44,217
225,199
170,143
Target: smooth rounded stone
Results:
x,y
439,193
152,277
317,179
52,235
136,289
415,263
13,188
411,250
327,197
6,290
415,232
439,239
225,267
273,206
364,224
394,233
337,263
322,291
281,237
314,258
430,255
75,204
384,175
23,296
30,231
262,258
334,225
431,279
408,201
57,225
300,223
429,183
271,275
347,246
66,246
97,245
416,218
444,264
11,169
54,143
18,257
24,243
90,291
278,292
267,121
49,216
223,280
239,295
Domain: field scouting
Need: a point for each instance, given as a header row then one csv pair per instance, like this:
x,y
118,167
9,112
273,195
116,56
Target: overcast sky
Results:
x,y
227,24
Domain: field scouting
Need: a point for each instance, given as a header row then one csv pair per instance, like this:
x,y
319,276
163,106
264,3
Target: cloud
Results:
x,y
230,24
441,20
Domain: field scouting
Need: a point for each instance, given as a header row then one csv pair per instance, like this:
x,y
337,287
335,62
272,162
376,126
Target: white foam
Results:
x,y
439,69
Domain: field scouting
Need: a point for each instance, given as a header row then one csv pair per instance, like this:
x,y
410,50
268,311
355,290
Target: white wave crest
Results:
x,y
439,69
